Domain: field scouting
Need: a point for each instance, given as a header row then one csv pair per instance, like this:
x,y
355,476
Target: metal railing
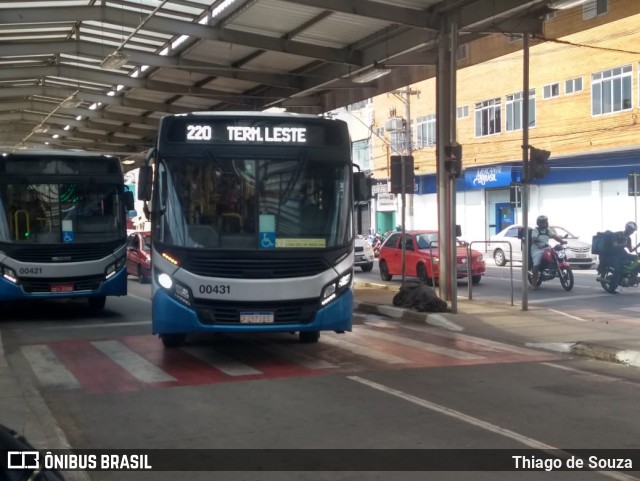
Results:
x,y
470,270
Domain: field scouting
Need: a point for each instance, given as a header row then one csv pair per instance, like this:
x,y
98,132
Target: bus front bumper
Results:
x,y
116,285
172,317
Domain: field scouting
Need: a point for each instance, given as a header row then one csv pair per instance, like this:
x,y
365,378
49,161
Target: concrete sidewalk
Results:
x,y
537,327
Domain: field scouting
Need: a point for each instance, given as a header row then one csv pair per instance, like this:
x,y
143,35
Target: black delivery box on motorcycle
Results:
x,y
602,243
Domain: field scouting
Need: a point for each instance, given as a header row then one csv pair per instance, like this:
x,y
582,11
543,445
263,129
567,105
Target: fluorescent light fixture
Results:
x,y
368,75
128,162
41,129
71,102
114,61
565,4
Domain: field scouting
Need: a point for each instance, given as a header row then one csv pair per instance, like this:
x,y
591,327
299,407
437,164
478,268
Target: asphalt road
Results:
x,y
386,386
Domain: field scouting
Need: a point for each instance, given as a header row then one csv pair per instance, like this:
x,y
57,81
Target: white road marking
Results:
x,y
365,351
498,346
566,298
226,364
566,314
100,325
423,346
132,362
526,440
48,368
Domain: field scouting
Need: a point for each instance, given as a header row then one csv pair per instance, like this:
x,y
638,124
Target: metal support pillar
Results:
x,y
446,135
525,171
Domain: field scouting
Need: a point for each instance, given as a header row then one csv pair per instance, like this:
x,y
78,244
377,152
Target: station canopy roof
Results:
x,y
98,75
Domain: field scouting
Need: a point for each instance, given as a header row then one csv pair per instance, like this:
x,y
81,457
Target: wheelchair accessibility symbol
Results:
x,y
267,240
67,237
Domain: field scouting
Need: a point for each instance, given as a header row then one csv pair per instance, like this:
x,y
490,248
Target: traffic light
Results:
x,y
453,159
396,174
537,166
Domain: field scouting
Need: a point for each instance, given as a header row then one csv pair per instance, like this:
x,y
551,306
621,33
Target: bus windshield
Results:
x,y
252,203
60,213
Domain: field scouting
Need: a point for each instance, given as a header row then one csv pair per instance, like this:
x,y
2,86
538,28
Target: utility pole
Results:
x,y
408,149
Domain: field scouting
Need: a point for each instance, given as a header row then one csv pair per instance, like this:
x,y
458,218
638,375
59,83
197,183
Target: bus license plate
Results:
x,y
256,317
61,287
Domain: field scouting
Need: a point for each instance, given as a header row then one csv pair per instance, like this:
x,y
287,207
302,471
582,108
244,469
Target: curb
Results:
x,y
601,352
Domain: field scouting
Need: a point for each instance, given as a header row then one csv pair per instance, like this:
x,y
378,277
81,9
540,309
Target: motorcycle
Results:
x,y
629,277
554,264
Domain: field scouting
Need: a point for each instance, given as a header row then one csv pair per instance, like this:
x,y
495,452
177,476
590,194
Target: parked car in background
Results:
x,y
363,254
578,252
139,256
422,257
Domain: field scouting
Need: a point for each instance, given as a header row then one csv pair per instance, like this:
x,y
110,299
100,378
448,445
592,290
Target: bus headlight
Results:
x,y
9,274
182,294
337,287
112,269
165,281
177,290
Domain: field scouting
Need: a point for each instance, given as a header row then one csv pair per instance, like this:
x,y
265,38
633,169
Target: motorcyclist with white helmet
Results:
x,y
621,250
539,242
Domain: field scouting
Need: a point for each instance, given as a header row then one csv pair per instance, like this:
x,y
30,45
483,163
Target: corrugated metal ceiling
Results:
x,y
190,55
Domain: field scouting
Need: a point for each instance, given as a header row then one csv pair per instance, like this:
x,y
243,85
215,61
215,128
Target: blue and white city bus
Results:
x,y
252,224
62,226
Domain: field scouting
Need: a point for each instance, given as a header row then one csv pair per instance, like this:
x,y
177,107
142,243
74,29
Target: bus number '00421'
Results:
x,y
219,289
198,132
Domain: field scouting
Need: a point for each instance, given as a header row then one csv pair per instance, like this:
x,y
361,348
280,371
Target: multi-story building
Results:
x,y
584,103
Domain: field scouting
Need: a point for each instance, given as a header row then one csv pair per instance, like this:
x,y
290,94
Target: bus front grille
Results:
x,y
243,268
53,254
284,312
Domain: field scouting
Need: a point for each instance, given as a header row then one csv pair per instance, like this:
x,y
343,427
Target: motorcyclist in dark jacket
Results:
x,y
621,249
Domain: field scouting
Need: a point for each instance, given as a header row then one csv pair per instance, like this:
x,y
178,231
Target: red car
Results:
x,y
139,255
422,257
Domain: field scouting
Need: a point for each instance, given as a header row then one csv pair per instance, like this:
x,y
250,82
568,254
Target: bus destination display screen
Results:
x,y
229,131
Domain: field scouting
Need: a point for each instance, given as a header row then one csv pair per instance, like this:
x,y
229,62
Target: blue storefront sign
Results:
x,y
488,177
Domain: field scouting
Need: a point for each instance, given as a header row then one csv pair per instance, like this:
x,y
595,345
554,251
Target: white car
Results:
x,y
578,252
363,254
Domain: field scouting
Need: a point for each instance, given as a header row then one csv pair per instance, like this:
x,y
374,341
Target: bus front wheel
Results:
x,y
309,336
172,340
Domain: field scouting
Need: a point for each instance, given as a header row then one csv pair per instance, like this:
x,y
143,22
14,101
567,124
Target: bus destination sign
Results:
x,y
252,131
197,132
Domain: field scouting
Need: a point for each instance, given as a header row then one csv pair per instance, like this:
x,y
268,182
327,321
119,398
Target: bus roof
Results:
x,y
58,153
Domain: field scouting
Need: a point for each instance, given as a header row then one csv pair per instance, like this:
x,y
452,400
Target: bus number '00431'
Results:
x,y
218,289
198,132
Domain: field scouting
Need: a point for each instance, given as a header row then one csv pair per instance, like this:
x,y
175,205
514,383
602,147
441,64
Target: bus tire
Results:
x,y
97,303
173,340
309,336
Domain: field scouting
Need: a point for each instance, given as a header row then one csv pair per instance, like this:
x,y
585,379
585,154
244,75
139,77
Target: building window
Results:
x,y
611,90
462,112
487,115
514,37
594,8
550,91
513,111
572,86
361,151
396,141
358,105
463,52
426,131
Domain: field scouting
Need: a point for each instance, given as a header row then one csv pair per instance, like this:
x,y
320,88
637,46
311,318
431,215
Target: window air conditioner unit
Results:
x,y
394,123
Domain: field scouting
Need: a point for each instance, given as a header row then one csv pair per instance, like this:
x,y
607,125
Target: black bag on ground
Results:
x,y
420,297
602,243
11,440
